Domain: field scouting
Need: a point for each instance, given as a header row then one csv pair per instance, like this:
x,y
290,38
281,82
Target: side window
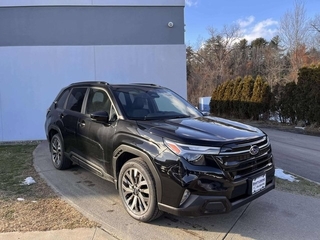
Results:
x,y
98,100
62,99
75,99
122,99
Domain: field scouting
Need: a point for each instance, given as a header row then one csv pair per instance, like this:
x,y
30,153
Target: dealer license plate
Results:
x,y
258,184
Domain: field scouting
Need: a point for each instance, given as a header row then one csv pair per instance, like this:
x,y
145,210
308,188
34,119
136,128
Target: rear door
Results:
x,y
70,118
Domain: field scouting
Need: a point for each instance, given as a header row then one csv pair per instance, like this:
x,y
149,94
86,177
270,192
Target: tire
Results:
x,y
137,191
58,159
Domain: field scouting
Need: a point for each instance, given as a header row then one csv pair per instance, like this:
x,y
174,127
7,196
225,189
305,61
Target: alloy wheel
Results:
x,y
135,191
56,151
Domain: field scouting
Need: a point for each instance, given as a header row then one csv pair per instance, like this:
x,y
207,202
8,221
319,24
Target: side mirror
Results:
x,y
100,116
205,113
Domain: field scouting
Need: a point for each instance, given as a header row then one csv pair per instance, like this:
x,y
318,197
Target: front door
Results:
x,y
94,137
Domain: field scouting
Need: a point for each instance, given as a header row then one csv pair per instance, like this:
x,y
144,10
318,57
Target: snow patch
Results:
x,y
28,181
281,174
20,199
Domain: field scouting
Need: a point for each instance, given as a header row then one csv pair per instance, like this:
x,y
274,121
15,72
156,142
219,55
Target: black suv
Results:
x,y
161,153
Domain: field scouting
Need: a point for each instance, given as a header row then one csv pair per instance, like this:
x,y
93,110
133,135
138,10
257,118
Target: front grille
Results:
x,y
235,159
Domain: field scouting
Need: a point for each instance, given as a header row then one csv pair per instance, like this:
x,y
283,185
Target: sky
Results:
x,y
257,18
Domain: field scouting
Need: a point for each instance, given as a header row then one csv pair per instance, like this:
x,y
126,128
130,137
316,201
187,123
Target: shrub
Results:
x,y
242,98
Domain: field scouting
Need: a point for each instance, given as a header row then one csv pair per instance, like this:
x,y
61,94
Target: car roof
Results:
x,y
102,83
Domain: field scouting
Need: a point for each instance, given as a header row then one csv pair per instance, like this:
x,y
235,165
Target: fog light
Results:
x,y
185,196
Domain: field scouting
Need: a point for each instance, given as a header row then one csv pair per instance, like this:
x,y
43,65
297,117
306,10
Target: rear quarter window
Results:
x,y
62,98
75,99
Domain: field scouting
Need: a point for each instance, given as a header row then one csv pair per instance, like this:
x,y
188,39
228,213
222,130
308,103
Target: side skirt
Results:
x,y
82,162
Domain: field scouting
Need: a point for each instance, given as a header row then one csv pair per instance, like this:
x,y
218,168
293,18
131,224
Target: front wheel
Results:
x,y
57,153
137,190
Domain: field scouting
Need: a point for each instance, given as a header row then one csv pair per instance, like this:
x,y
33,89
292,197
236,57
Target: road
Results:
x,y
296,153
275,215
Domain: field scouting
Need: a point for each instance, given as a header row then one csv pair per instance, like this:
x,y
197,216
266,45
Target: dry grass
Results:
x,y
41,209
302,187
41,215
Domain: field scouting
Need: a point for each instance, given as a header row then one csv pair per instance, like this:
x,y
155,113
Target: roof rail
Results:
x,y
89,83
147,84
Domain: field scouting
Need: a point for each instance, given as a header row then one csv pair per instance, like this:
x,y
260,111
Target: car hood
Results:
x,y
201,131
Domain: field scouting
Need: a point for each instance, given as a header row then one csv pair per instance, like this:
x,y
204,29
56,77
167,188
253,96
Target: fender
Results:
x,y
125,148
53,127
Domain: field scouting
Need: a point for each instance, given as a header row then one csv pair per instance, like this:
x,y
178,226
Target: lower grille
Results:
x,y
237,161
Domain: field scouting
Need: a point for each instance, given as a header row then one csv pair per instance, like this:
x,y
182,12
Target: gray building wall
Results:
x,y
90,25
44,47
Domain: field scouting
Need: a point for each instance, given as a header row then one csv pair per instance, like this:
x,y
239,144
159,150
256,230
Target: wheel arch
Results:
x,y
53,130
123,154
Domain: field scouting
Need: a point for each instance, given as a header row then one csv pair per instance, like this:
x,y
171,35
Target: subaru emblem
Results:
x,y
254,150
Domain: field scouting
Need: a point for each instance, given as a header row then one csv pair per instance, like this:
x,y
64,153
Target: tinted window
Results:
x,y
98,100
122,99
154,103
75,99
62,98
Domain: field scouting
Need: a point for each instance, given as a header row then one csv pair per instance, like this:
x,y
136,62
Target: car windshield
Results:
x,y
146,103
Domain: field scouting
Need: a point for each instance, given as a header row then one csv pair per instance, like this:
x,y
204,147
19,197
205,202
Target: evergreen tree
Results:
x,y
246,95
235,98
287,106
308,96
227,97
256,98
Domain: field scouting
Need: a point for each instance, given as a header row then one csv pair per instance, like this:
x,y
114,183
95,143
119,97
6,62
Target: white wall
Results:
x,y
31,77
35,68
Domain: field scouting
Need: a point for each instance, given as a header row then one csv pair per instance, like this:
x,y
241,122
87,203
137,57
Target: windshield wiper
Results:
x,y
159,117
179,116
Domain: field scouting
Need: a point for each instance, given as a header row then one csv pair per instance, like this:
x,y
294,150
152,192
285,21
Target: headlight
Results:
x,y
192,153
268,140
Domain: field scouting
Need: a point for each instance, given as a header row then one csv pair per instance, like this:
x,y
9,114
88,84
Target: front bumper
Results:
x,y
198,205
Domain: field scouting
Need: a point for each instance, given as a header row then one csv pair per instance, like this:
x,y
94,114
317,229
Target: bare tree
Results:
x,y
315,23
294,27
239,62
222,47
315,26
208,65
274,63
295,35
199,75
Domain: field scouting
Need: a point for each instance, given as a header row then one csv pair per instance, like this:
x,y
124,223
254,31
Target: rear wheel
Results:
x,y
137,190
57,153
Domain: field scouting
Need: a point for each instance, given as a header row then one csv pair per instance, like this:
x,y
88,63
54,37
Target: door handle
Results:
x,y
82,123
